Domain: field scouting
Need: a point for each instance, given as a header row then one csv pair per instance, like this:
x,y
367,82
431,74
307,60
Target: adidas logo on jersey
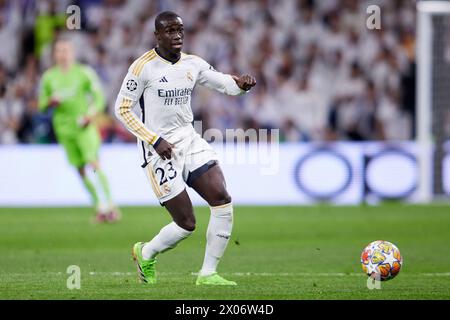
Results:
x,y
189,76
163,79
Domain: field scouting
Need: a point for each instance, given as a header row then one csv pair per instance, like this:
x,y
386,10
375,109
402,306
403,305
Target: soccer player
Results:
x,y
68,88
172,153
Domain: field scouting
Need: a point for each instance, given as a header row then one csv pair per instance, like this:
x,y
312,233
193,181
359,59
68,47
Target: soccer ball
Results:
x,y
381,260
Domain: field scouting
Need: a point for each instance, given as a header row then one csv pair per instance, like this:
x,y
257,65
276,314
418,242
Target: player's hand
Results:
x,y
245,82
164,149
85,121
54,102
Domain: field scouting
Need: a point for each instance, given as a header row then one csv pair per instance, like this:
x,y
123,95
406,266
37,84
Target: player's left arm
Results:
x,y
245,82
224,83
94,88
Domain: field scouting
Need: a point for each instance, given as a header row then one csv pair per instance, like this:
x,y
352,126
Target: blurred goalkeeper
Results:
x,y
73,94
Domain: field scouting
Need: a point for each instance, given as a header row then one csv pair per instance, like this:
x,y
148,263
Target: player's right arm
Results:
x,y
44,93
46,99
132,88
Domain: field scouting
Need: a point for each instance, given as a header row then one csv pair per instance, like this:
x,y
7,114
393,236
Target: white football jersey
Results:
x,y
163,89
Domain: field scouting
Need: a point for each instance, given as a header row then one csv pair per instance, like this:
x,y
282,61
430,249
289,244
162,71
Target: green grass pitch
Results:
x,y
274,253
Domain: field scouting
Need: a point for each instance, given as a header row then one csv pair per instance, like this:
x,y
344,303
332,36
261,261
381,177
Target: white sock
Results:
x,y
217,236
167,238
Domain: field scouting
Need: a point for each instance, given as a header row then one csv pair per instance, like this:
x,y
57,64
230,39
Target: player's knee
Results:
x,y
221,197
82,171
95,165
187,223
226,198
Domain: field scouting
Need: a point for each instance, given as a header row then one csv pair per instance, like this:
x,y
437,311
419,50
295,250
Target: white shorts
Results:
x,y
191,157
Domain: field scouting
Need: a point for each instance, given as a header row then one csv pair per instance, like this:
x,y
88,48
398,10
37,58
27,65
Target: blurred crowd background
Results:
x,y
321,73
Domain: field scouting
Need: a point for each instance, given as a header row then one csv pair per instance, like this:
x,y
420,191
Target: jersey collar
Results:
x,y
167,61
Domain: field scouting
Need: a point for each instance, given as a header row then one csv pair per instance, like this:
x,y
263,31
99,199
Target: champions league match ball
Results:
x,y
381,260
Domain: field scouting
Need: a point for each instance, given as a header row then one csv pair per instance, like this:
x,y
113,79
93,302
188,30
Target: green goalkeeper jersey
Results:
x,y
79,92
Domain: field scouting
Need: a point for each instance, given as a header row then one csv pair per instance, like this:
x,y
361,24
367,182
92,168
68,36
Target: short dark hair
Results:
x,y
63,38
165,15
